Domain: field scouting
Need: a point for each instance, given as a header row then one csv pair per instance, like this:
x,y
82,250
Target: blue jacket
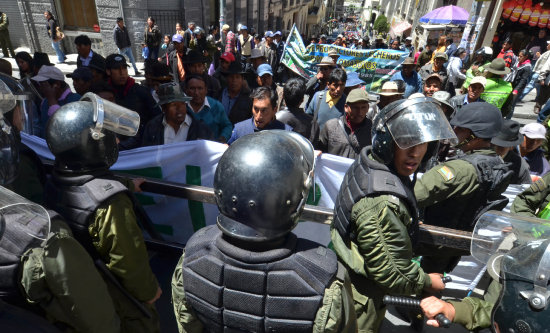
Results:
x,y
216,119
413,83
246,127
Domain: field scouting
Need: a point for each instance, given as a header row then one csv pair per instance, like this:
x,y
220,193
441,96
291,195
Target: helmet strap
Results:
x,y
466,141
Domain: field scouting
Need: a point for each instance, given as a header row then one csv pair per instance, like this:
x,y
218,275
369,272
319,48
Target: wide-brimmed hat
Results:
x,y
509,135
234,68
443,97
326,61
390,88
193,57
498,67
171,92
408,61
434,76
333,53
353,79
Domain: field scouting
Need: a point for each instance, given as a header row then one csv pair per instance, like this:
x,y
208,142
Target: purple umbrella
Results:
x,y
446,15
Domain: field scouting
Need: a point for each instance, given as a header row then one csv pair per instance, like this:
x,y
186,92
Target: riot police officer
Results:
x,y
99,209
250,273
375,214
517,252
455,193
42,268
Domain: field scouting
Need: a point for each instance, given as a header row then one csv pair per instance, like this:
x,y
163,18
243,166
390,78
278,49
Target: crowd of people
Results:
x,y
435,115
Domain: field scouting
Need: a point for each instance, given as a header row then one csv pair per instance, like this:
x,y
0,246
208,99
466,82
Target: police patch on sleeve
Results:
x,y
446,173
538,186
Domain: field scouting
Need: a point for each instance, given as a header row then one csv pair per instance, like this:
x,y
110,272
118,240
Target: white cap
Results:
x,y
534,131
409,38
49,72
479,79
488,50
416,95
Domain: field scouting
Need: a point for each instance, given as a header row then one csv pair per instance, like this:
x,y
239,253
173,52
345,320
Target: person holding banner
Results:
x,y
375,216
319,81
329,103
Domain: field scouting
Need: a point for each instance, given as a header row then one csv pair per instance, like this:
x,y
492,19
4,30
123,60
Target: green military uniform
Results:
x,y
62,280
499,93
119,241
533,202
456,181
379,261
335,315
5,41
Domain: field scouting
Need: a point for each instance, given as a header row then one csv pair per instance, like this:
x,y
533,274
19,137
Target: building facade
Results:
x,y
97,18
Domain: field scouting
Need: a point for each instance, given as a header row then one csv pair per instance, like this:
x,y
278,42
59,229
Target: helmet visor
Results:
x,y
113,117
419,123
7,99
515,239
23,224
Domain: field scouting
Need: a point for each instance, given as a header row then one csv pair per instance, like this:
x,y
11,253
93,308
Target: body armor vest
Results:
x,y
10,262
493,176
77,199
367,178
236,290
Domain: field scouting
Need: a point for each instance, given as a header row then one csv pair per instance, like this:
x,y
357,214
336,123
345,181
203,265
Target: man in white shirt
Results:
x,y
175,124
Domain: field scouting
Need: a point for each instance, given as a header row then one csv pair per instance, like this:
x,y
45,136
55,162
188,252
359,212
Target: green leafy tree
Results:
x,y
381,24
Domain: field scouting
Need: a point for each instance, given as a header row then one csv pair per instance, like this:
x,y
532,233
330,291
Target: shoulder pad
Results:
x,y
538,186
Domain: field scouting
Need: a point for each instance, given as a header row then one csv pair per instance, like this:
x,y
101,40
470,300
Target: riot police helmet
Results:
x,y
81,135
261,185
407,123
9,141
483,119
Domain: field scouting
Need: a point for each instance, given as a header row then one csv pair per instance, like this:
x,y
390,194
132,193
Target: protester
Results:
x,y
228,40
475,89
152,38
334,55
507,54
207,109
482,58
5,41
56,93
188,35
436,67
441,47
175,59
505,145
445,99
235,97
202,46
245,44
379,43
394,45
534,136
522,76
85,53
389,92
195,63
328,104
25,63
98,68
156,73
450,47
179,30
319,82
165,48
292,114
455,72
417,54
130,95
5,67
264,108
82,80
269,50
52,28
534,82
426,56
175,124
348,135
432,84
411,78
103,90
225,61
408,47
122,41
498,91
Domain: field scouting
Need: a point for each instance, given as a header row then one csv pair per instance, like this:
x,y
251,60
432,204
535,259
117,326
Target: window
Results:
x,y
79,14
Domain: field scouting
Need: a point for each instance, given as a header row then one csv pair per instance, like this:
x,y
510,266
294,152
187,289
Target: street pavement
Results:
x,y
393,323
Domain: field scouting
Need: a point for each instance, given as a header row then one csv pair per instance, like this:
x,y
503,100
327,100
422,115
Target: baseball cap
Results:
x,y
479,79
408,38
97,63
265,69
442,55
340,36
49,73
268,34
115,61
228,56
244,27
434,76
177,38
357,95
534,131
277,33
82,73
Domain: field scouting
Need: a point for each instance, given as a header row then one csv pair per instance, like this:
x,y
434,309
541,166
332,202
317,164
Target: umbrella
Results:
x,y
446,15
